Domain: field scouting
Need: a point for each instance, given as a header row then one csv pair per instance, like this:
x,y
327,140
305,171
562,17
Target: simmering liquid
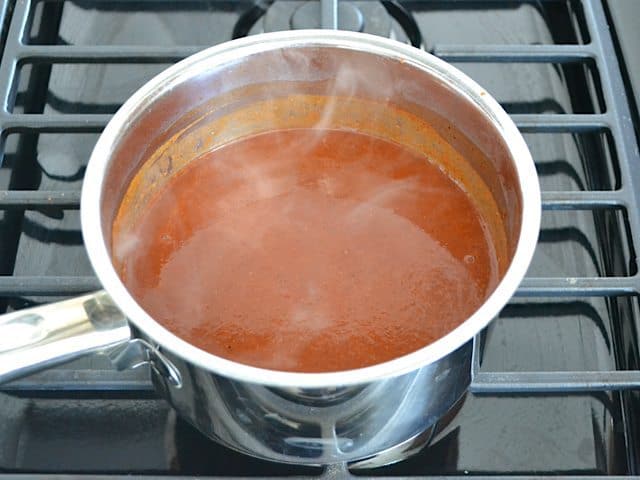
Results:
x,y
309,250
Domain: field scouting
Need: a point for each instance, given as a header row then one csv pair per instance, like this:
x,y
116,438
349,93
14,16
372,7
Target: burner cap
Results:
x,y
359,16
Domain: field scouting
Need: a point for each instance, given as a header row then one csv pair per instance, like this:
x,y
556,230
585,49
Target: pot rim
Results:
x,y
231,51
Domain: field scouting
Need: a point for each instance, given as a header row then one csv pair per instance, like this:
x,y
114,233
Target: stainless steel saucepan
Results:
x,y
330,79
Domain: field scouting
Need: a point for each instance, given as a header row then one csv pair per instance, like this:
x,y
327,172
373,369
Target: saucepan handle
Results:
x,y
41,337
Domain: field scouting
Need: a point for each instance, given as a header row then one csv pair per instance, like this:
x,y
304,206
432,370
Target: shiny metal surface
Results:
x,y
137,352
380,422
329,16
41,337
327,417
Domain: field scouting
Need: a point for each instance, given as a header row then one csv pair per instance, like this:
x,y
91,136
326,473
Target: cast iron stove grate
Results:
x,y
604,193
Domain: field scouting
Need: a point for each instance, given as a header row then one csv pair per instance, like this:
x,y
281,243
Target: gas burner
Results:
x,y
363,16
385,18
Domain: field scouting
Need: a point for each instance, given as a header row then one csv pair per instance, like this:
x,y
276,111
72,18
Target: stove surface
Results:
x,y
577,311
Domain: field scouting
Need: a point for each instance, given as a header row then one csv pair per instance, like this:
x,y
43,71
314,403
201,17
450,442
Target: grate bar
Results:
x,y
578,287
559,200
550,382
622,127
17,27
625,140
532,123
31,199
54,286
329,14
560,123
330,473
514,53
39,123
83,380
104,53
582,200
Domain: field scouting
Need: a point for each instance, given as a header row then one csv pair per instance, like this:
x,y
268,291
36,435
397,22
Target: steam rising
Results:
x,y
258,197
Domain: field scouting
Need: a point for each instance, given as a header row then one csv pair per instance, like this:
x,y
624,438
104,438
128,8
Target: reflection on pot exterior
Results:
x,y
319,426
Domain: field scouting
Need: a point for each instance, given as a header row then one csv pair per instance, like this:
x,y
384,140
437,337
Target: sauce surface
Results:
x,y
309,250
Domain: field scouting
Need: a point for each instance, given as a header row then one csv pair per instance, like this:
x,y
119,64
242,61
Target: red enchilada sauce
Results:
x,y
309,250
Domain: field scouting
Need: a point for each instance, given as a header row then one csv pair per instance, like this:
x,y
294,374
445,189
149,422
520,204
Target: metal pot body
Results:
x,y
375,423
321,79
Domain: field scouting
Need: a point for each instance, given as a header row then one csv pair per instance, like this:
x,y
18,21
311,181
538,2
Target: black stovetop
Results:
x,y
552,393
